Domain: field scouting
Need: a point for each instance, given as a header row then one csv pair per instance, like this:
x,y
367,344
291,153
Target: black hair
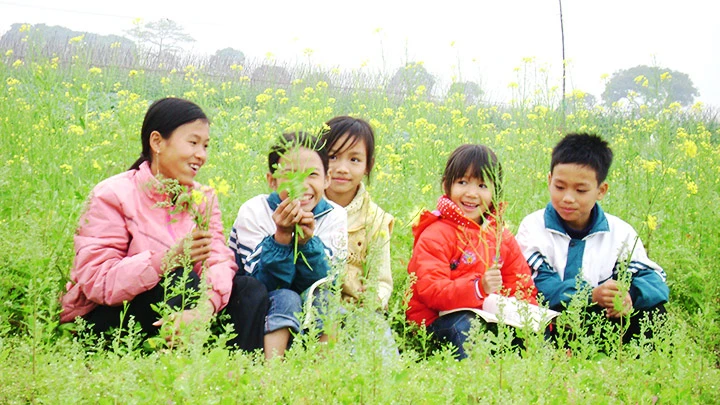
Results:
x,y
292,140
482,163
165,116
583,149
357,130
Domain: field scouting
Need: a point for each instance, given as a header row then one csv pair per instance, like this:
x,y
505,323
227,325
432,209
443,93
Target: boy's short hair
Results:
x,y
292,140
586,150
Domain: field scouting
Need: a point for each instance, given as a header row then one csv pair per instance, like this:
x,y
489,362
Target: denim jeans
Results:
x,y
283,306
321,305
453,328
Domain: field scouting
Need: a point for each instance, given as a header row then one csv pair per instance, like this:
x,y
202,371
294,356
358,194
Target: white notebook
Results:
x,y
512,311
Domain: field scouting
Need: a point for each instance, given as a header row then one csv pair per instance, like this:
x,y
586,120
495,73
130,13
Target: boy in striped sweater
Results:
x,y
573,244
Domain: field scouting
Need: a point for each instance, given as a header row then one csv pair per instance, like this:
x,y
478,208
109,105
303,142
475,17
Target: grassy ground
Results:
x,y
63,129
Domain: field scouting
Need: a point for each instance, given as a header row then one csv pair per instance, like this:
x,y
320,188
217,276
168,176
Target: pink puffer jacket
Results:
x,y
122,239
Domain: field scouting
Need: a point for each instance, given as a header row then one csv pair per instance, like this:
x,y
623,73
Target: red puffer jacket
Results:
x,y
450,256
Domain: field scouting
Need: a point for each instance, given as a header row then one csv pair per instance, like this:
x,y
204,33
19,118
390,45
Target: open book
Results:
x,y
512,311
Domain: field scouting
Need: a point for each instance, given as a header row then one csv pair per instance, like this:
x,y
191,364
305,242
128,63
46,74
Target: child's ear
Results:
x,y
603,189
326,182
272,181
156,141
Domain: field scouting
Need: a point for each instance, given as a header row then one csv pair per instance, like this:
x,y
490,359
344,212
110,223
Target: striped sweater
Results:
x,y
257,252
561,265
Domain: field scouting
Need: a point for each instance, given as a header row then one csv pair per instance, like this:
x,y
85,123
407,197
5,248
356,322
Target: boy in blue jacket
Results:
x,y
572,243
264,232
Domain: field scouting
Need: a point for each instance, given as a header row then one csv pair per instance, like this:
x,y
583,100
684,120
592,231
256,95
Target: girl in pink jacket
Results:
x,y
136,231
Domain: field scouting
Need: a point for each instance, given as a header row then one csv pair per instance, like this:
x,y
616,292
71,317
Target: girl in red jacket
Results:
x,y
456,257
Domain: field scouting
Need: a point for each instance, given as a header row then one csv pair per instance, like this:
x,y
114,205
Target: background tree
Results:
x,y
63,42
589,101
223,59
407,79
161,36
314,77
651,85
470,90
270,76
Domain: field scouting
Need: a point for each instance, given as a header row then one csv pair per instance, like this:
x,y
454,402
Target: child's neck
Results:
x,y
341,199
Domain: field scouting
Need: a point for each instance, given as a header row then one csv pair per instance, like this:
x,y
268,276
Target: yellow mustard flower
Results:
x,y
690,148
263,98
650,165
75,40
651,222
76,129
220,185
197,196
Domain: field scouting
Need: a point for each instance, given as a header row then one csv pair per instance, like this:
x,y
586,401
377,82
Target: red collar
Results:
x,y
446,209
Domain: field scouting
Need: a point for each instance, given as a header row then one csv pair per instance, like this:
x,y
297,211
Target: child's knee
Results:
x,y
250,288
284,304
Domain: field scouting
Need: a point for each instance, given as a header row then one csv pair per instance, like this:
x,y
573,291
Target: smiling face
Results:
x,y
300,160
472,195
347,169
182,154
574,190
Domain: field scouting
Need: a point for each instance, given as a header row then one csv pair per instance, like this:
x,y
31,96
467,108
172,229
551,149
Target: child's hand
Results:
x,y
286,215
200,245
307,224
197,317
604,294
492,280
627,306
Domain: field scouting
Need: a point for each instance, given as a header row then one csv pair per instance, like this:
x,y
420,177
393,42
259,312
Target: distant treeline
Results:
x,y
46,42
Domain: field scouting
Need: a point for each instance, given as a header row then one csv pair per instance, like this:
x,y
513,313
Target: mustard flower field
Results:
x,y
66,125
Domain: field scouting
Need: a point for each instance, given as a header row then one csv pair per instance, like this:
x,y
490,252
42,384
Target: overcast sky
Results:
x,y
475,40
